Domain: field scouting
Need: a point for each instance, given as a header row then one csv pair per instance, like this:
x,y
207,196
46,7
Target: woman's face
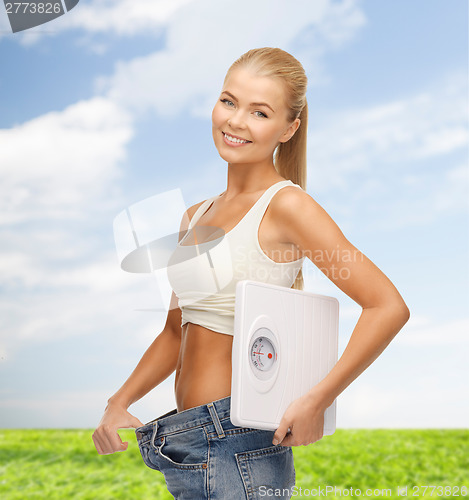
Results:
x,y
251,108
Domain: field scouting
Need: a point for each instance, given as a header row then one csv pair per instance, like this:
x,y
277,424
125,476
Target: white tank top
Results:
x,y
204,276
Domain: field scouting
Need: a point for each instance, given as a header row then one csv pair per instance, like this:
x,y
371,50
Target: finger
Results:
x,y
96,444
116,442
280,432
136,422
105,442
287,440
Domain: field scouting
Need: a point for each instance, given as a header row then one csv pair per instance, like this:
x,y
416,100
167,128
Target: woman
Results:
x,y
270,224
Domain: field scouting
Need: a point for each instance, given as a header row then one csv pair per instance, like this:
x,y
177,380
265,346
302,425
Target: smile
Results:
x,y
234,140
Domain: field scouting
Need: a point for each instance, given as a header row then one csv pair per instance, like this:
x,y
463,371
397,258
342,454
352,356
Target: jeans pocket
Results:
x,y
267,472
185,450
149,455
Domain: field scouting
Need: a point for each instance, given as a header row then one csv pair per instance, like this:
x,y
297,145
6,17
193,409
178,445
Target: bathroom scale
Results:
x,y
285,342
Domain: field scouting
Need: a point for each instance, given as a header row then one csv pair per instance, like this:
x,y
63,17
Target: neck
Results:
x,y
245,178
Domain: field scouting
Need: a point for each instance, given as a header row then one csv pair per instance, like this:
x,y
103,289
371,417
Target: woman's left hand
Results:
x,y
305,418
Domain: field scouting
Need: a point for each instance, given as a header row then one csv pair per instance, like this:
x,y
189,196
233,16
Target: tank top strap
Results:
x,y
201,210
197,215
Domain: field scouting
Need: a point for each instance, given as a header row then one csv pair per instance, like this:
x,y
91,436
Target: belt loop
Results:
x,y
155,428
216,420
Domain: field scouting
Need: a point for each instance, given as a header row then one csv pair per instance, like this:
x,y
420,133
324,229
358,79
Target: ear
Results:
x,y
290,132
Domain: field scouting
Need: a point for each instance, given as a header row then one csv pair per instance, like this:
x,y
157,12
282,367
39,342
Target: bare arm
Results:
x,y
384,311
375,329
157,364
160,359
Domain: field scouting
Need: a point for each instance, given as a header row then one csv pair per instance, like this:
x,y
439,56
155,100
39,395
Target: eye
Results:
x,y
263,114
226,101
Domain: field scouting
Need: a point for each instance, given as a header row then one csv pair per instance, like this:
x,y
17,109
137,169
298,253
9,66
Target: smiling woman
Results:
x,y
268,225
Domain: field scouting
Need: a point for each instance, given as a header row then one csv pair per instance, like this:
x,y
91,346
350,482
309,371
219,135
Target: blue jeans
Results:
x,y
202,455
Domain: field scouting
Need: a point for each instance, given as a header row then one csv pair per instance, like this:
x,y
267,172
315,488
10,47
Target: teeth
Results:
x,y
233,139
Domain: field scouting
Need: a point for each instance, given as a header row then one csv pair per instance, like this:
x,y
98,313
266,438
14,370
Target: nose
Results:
x,y
236,120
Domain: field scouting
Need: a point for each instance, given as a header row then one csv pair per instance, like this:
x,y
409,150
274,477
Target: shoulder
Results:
x,y
190,212
290,202
187,217
300,217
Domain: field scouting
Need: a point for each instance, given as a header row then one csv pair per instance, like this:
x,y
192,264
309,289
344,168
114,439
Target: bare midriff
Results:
x,y
203,371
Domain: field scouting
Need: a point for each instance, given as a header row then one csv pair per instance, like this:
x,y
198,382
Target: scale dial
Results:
x,y
263,354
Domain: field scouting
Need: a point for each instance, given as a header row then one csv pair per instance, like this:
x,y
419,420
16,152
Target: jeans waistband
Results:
x,y
192,417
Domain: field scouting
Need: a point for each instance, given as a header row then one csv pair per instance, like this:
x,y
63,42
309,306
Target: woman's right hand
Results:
x,y
105,437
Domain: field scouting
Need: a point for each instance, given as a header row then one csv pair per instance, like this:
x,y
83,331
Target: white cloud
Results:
x,y
209,25
3,354
50,298
373,153
416,382
120,17
79,409
101,274
454,190
419,333
53,165
420,403
431,123
99,302
123,17
338,22
203,40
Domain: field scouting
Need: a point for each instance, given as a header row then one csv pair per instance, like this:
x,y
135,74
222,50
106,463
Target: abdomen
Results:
x,y
203,373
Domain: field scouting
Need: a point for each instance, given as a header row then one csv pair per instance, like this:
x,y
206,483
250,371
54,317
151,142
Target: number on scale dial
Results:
x,y
263,354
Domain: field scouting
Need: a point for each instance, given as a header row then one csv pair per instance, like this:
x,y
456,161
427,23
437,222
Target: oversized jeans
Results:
x,y
202,455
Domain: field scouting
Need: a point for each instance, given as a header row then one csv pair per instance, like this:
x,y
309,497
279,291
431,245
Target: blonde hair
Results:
x,y
290,156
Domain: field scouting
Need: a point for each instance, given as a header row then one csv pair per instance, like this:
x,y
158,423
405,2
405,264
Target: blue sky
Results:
x,y
110,104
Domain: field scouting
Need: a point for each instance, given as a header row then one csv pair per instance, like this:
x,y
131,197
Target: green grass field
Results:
x,y
64,464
